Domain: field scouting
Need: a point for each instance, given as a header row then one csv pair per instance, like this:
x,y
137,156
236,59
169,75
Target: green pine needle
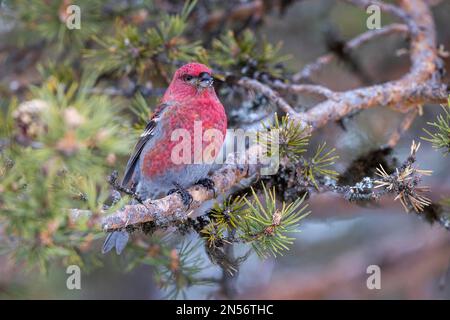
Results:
x,y
291,141
245,53
440,138
134,51
319,165
179,268
230,212
268,225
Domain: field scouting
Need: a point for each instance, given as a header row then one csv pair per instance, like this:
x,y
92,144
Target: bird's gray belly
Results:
x,y
159,186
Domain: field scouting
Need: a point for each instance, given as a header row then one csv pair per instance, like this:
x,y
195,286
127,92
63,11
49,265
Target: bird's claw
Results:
x,y
184,194
112,180
208,184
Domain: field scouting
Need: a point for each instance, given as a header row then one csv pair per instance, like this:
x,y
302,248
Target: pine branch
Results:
x,y
420,85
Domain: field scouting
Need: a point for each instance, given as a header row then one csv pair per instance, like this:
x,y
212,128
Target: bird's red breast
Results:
x,y
187,106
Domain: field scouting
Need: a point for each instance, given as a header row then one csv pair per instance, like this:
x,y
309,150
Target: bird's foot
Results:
x,y
112,179
208,184
131,193
136,197
184,194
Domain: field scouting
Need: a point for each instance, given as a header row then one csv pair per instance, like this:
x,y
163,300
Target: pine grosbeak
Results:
x,y
153,169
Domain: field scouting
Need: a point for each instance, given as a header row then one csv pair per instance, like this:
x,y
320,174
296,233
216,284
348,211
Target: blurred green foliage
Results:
x,y
61,143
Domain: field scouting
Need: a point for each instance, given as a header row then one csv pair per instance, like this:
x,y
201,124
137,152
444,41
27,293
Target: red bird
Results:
x,y
154,169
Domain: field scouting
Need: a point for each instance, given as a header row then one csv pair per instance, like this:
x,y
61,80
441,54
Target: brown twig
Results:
x,y
240,12
406,123
265,90
304,88
307,71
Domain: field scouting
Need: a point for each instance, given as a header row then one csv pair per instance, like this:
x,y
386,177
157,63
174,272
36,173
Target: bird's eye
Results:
x,y
188,77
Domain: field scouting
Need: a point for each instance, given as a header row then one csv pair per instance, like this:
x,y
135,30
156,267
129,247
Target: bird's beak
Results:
x,y
205,80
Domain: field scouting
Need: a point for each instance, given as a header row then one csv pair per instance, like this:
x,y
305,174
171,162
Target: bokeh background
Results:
x,y
339,240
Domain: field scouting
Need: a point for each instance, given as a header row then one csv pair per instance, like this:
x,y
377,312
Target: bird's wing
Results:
x,y
143,139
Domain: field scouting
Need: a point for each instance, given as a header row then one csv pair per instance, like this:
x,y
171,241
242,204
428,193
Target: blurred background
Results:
x,y
339,240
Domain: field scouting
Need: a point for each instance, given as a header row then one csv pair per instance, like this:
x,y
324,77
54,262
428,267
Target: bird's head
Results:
x,y
190,80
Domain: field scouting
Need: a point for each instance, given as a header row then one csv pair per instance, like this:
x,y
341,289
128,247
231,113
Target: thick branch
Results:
x,y
171,208
420,85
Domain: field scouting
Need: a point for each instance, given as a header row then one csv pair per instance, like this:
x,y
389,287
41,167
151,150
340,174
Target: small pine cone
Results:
x,y
28,120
